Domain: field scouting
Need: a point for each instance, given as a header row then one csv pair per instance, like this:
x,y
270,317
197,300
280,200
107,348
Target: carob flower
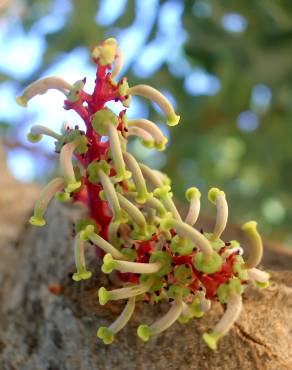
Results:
x,y
132,220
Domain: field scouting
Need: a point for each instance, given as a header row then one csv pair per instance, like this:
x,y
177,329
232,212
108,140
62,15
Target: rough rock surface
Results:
x,y
43,331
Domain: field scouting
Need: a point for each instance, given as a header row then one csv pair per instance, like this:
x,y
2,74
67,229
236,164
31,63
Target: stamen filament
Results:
x,y
258,275
67,166
37,131
110,194
150,176
193,196
82,273
104,245
110,264
149,127
41,86
232,313
154,203
145,331
133,211
138,178
117,154
137,131
186,231
46,196
107,334
154,95
123,293
256,250
218,197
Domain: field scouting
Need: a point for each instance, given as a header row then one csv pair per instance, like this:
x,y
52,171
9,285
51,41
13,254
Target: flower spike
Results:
x,y
42,86
131,218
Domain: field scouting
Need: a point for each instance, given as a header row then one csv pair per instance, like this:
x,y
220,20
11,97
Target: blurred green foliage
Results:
x,y
209,148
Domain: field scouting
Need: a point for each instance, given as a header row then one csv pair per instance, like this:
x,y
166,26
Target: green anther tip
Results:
x,y
192,193
148,143
109,264
83,275
211,339
162,192
249,226
165,259
72,186
123,175
105,334
213,193
103,295
143,332
62,196
84,234
20,100
208,264
166,223
34,138
37,221
173,120
261,285
161,145
183,319
142,197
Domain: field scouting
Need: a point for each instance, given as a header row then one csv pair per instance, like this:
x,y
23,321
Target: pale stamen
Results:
x,y
193,196
145,331
218,197
110,264
258,275
256,250
138,178
142,134
232,313
149,127
67,166
37,131
42,86
154,95
133,211
119,61
117,154
82,273
107,334
46,196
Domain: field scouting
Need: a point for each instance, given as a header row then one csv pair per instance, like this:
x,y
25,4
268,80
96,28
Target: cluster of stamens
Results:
x,y
131,219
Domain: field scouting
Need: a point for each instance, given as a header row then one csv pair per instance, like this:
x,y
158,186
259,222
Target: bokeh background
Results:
x,y
226,66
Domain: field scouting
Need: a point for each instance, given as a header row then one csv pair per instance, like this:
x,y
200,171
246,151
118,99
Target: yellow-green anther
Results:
x,y
47,194
137,175
67,166
89,234
105,52
258,275
152,129
231,314
102,119
42,86
164,259
208,264
146,138
188,232
163,193
156,96
181,245
133,211
193,195
107,334
37,132
82,273
116,150
217,197
105,295
256,250
109,264
93,172
145,332
119,61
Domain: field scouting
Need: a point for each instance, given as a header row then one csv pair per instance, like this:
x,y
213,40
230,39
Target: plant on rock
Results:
x,y
131,216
